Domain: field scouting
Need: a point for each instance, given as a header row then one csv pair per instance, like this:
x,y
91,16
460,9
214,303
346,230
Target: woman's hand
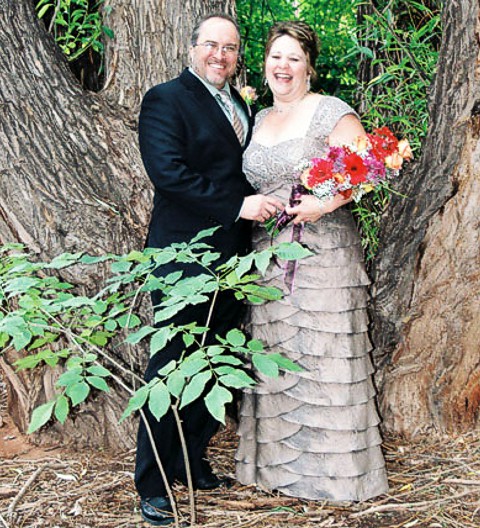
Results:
x,y
310,210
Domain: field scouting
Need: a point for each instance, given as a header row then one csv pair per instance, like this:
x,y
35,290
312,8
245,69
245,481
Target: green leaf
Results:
x,y
121,266
285,363
262,260
44,9
159,400
204,234
137,256
232,279
244,265
236,337
137,336
208,258
214,350
98,383
195,387
267,293
175,383
265,365
226,359
216,400
4,339
291,251
255,345
21,284
168,368
40,341
164,256
173,277
89,259
64,260
61,409
137,401
129,321
50,358
169,312
108,32
188,339
21,339
190,367
93,321
27,362
237,382
78,392
100,307
40,416
98,370
99,338
111,325
70,377
160,339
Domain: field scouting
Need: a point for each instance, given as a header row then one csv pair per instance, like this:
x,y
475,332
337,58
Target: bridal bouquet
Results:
x,y
351,170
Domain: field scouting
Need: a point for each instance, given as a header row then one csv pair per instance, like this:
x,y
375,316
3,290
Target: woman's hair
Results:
x,y
301,32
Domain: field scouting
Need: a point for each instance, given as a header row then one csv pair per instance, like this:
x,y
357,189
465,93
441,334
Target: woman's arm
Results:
x,y
309,209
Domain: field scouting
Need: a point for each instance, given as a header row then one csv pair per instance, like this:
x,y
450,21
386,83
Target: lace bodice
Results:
x,y
269,167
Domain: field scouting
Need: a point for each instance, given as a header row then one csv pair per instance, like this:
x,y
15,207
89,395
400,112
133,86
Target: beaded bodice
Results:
x,y
270,167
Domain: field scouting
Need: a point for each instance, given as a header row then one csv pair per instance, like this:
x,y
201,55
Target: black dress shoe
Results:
x,y
209,482
157,511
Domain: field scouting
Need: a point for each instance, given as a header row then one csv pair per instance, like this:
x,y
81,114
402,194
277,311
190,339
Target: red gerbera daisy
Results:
x,y
321,171
355,168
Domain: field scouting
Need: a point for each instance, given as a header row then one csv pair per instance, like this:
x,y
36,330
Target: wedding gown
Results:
x,y
312,434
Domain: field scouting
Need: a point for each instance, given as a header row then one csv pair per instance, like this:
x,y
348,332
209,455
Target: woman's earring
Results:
x,y
265,82
308,84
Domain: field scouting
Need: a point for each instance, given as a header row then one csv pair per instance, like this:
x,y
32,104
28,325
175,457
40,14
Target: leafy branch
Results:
x,y
40,313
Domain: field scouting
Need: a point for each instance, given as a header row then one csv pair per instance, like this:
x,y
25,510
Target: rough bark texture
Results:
x,y
426,305
151,43
71,178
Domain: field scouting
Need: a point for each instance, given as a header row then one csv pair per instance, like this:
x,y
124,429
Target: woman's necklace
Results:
x,y
284,109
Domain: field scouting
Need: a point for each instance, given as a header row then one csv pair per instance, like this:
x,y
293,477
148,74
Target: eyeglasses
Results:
x,y
213,47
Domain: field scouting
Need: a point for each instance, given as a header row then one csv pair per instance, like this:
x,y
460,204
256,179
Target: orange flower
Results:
x,y
339,178
404,149
394,161
248,94
361,143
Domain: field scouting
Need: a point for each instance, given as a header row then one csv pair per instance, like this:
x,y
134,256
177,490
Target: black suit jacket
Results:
x,y
194,159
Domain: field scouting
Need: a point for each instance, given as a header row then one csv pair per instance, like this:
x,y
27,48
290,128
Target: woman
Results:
x,y
312,434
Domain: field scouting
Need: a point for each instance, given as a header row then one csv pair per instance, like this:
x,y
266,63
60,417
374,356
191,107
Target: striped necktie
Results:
x,y
235,120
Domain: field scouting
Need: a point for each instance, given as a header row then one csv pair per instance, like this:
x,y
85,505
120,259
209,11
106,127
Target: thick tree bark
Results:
x,y
426,301
71,174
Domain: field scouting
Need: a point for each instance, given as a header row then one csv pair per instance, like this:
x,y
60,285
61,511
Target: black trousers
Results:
x,y
197,423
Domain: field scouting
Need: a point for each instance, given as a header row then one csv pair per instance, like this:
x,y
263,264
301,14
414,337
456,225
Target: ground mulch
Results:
x,y
435,483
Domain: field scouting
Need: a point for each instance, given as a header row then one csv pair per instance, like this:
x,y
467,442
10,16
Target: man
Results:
x,y
191,141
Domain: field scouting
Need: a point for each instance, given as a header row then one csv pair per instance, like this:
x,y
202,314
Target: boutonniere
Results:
x,y
249,94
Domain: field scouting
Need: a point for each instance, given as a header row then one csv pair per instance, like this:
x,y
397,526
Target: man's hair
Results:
x,y
200,21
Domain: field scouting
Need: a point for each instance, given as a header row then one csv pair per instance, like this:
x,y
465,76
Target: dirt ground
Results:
x,y
434,483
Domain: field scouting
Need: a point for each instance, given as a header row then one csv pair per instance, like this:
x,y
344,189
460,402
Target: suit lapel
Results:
x,y
207,106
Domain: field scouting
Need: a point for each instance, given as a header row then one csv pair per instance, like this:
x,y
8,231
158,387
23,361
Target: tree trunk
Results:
x,y
426,307
71,174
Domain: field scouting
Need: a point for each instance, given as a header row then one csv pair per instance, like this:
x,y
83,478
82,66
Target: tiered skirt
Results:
x,y
314,434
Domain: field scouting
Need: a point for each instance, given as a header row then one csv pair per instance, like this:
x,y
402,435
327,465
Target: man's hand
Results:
x,y
260,207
